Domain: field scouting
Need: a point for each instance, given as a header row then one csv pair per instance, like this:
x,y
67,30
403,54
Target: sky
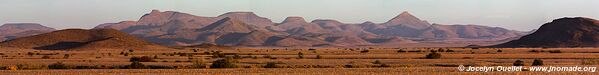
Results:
x,y
523,15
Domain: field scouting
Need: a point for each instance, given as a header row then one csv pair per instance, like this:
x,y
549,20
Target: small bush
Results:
x,y
401,50
224,63
384,65
537,62
318,57
87,67
364,51
45,57
555,51
441,50
30,53
66,56
58,65
300,55
449,50
141,59
499,50
377,62
271,65
433,55
136,65
590,62
534,51
518,63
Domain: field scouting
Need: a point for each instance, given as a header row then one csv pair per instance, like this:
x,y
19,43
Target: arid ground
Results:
x,y
315,61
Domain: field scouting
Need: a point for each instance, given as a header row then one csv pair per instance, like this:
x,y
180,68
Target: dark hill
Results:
x,y
563,32
78,39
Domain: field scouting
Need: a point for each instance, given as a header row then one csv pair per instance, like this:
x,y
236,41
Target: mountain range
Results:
x,y
172,28
248,29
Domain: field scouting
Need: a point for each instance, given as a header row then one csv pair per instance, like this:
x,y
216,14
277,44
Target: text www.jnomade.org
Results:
x,y
525,68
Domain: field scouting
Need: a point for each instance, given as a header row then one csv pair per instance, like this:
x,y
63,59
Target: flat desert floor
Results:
x,y
342,61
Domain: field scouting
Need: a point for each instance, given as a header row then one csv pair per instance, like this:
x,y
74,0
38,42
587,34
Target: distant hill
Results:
x,y
248,29
563,32
15,30
79,39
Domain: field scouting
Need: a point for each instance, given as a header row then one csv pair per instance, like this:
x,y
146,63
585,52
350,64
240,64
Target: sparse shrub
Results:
x,y
311,49
555,51
300,55
155,56
384,65
130,50
66,56
224,63
126,54
318,57
401,50
441,50
141,59
45,57
377,62
271,65
86,67
499,50
433,55
590,62
136,65
364,51
537,62
449,50
30,53
58,65
518,63
534,51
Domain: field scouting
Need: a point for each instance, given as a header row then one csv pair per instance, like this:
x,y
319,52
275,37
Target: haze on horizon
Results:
x,y
523,15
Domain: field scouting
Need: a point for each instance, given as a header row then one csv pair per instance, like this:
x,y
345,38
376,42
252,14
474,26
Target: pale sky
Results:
x,y
521,15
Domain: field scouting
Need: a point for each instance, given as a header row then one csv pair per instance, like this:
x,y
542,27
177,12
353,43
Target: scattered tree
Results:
x,y
519,63
58,65
377,62
364,51
318,57
270,65
300,55
537,62
433,55
141,59
45,57
224,63
136,65
66,56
